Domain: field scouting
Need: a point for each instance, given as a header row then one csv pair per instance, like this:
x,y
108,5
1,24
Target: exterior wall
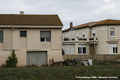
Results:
x,y
21,45
102,36
116,38
102,33
33,39
73,34
21,55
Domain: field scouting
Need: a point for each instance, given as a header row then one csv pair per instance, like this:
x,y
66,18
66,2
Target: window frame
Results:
x,y
81,49
45,39
112,30
77,34
113,48
83,34
1,41
94,35
21,35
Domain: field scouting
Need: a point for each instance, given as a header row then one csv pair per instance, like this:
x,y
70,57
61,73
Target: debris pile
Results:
x,y
75,62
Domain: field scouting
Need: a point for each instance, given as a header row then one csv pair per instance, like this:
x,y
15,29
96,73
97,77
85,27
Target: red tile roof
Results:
x,y
98,23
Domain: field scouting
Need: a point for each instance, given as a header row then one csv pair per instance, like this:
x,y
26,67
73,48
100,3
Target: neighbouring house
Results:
x,y
101,37
36,39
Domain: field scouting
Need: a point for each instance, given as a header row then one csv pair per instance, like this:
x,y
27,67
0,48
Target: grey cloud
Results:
x,y
77,11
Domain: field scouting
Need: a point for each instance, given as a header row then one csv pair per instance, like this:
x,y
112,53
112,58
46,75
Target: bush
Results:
x,y
12,60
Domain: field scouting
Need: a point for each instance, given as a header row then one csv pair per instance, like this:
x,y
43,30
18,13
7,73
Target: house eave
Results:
x,y
29,27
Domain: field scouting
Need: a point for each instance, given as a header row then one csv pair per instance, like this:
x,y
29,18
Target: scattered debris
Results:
x,y
75,62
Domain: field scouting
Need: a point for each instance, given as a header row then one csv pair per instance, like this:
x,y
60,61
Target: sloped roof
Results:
x,y
79,26
107,22
84,25
22,19
68,29
94,24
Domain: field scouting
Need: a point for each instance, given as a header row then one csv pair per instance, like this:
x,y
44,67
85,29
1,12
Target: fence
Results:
x,y
100,57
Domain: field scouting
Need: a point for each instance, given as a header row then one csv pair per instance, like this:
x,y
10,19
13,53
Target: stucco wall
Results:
x,y
102,36
30,43
56,40
21,56
33,39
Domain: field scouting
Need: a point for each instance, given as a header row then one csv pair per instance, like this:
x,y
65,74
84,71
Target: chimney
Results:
x,y
21,12
71,24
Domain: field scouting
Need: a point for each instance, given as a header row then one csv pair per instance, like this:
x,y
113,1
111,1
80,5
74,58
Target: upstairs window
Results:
x,y
112,32
45,36
83,34
1,36
23,33
77,34
93,34
66,35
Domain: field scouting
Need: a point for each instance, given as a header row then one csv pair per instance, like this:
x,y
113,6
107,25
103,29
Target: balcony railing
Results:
x,y
92,39
73,39
82,39
66,39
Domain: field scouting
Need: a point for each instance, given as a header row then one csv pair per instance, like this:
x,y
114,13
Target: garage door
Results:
x,y
37,58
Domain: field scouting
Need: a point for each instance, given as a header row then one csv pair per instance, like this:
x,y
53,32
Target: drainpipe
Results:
x,y
12,38
108,32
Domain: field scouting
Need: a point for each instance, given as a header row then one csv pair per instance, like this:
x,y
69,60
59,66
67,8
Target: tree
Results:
x,y
12,60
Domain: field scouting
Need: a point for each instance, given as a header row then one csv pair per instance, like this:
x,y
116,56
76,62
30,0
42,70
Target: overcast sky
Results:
x,y
76,11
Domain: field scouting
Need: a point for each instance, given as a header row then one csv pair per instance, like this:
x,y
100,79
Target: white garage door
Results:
x,y
37,58
69,49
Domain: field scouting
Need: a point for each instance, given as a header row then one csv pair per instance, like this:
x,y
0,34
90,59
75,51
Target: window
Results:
x,y
112,48
82,49
77,34
71,29
23,33
112,32
66,35
1,36
83,36
93,34
45,36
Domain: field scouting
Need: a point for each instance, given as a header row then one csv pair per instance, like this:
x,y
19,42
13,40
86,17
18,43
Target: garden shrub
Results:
x,y
12,60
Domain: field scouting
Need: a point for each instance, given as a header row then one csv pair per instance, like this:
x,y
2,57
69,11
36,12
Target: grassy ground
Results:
x,y
58,72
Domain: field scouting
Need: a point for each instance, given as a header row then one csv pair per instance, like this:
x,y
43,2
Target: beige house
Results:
x,y
35,38
102,37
